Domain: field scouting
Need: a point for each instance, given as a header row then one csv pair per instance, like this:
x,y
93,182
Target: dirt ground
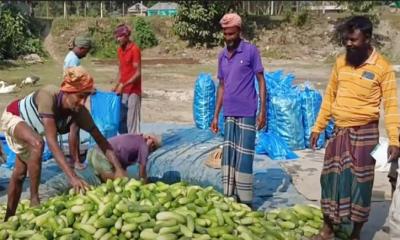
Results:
x,y
167,83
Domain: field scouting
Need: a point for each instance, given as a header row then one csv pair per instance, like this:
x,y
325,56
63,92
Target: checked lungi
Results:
x,y
237,158
348,173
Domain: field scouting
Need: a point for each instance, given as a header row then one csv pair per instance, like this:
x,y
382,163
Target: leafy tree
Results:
x,y
198,21
144,35
17,35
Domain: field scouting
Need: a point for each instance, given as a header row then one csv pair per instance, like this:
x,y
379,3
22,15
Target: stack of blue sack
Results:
x,y
204,101
284,109
311,100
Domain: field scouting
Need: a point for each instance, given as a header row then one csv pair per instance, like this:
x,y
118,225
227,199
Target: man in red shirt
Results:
x,y
129,81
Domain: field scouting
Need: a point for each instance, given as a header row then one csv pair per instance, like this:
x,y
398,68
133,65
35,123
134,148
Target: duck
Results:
x,y
6,89
29,80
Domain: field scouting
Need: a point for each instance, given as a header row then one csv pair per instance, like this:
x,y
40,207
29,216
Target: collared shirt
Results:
x,y
353,96
127,58
71,60
237,74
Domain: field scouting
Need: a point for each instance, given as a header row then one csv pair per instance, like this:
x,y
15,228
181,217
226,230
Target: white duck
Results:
x,y
6,89
29,80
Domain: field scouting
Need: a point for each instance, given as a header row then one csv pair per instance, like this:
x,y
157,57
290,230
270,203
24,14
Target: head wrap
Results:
x,y
77,79
80,41
231,20
122,30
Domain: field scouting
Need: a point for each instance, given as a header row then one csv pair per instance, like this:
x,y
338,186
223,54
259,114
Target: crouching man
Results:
x,y
129,149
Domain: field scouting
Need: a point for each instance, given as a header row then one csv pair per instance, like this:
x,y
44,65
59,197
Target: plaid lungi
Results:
x,y
237,157
348,173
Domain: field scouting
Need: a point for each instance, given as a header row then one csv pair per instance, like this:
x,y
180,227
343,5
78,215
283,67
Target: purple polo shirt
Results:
x,y
237,74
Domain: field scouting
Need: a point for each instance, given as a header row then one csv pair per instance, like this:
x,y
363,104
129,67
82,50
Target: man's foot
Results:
x,y
321,236
326,233
79,166
34,202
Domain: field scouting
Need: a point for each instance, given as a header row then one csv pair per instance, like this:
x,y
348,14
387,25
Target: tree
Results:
x,y
198,21
17,35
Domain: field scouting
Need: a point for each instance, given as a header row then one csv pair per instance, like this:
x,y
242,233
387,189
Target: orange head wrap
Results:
x,y
231,20
77,79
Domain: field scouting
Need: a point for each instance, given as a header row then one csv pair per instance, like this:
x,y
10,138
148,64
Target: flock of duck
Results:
x,y
4,88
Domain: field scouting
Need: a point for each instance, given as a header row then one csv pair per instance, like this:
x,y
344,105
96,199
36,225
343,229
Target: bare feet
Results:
x,y
79,166
326,233
35,202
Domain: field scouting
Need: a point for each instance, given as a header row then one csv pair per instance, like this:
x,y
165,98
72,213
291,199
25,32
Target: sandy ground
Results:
x,y
168,94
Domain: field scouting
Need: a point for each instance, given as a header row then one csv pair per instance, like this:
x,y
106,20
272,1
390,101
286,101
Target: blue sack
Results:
x,y
284,109
10,161
275,147
204,101
311,100
105,109
329,130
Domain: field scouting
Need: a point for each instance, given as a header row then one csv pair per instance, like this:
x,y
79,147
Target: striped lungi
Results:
x,y
348,173
237,158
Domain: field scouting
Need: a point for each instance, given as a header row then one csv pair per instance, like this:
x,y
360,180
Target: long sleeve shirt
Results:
x,y
353,96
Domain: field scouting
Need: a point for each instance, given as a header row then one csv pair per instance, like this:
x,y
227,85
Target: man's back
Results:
x,y
129,149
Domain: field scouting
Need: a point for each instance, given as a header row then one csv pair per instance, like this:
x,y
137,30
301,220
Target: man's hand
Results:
x,y
214,125
118,88
78,184
261,120
393,153
120,173
313,140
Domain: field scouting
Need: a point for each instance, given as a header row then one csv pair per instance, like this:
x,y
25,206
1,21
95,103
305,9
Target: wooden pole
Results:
x,y
123,8
84,8
65,9
47,9
101,9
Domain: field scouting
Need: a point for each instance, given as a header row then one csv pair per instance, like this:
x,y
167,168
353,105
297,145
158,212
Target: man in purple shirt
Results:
x,y
238,64
129,149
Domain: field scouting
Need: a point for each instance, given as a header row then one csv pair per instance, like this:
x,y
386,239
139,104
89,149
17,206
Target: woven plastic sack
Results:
x,y
106,108
311,100
329,130
204,101
275,147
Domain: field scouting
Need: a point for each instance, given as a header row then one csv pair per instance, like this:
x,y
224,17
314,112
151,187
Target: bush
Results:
x,y
102,33
17,35
198,21
301,19
143,35
104,43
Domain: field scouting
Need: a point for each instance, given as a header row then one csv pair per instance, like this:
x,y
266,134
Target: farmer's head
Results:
x,y
356,37
122,34
152,141
76,86
231,24
81,46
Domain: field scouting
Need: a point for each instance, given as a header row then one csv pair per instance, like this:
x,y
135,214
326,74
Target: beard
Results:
x,y
356,56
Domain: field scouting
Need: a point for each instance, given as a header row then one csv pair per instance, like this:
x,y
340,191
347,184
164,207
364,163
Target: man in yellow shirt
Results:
x,y
360,81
